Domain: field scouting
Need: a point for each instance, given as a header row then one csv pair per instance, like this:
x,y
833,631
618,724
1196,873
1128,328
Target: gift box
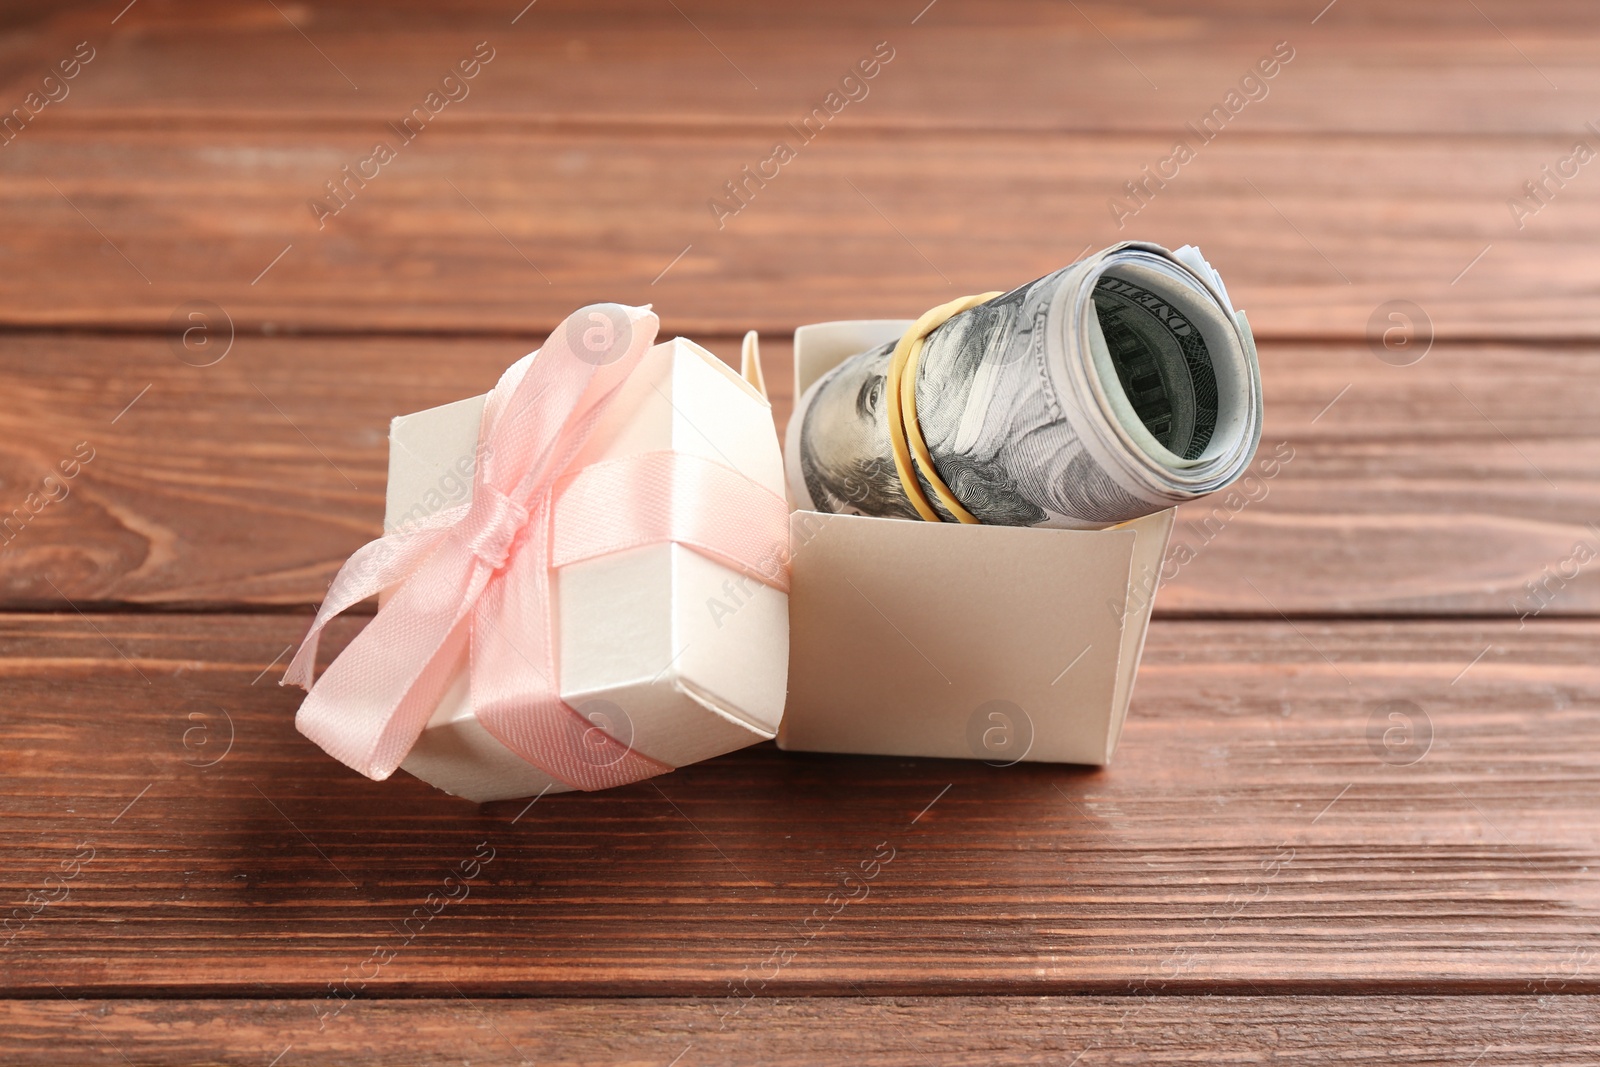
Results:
x,y
998,643
694,623
665,652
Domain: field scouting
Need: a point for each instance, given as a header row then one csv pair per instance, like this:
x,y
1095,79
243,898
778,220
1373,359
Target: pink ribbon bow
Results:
x,y
473,583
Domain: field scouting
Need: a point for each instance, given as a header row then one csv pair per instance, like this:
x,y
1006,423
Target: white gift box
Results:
x,y
998,643
666,650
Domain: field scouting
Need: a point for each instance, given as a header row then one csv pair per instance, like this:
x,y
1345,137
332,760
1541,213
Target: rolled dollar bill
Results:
x,y
1116,387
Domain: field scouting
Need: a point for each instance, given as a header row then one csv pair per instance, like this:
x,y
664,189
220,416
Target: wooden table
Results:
x,y
1353,817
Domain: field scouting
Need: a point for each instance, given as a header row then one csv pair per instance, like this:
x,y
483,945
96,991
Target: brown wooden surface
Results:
x,y
1442,487
1335,226
1264,873
980,1031
228,124
1251,836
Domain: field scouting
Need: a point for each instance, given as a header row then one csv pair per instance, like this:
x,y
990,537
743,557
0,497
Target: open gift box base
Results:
x,y
997,643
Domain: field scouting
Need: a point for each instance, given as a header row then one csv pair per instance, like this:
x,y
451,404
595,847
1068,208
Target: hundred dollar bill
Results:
x,y
1116,387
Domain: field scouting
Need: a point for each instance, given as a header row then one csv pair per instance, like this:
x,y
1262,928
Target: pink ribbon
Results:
x,y
472,585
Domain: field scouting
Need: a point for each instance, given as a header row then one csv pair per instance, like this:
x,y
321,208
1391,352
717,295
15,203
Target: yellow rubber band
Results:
x,y
905,433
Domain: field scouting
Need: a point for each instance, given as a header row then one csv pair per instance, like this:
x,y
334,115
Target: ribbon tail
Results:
x,y
372,568
372,703
515,692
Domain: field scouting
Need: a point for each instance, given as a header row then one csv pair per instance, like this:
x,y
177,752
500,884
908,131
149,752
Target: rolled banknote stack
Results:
x,y
1116,387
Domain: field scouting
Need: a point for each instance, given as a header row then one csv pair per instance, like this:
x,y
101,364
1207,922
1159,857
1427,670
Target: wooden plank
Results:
x,y
1364,66
1442,487
1355,1031
1268,827
1314,233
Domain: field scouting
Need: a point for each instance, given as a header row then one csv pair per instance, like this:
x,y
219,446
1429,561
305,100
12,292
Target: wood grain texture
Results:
x,y
873,1032
1313,232
1365,66
1350,769
1446,486
183,162
1267,827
